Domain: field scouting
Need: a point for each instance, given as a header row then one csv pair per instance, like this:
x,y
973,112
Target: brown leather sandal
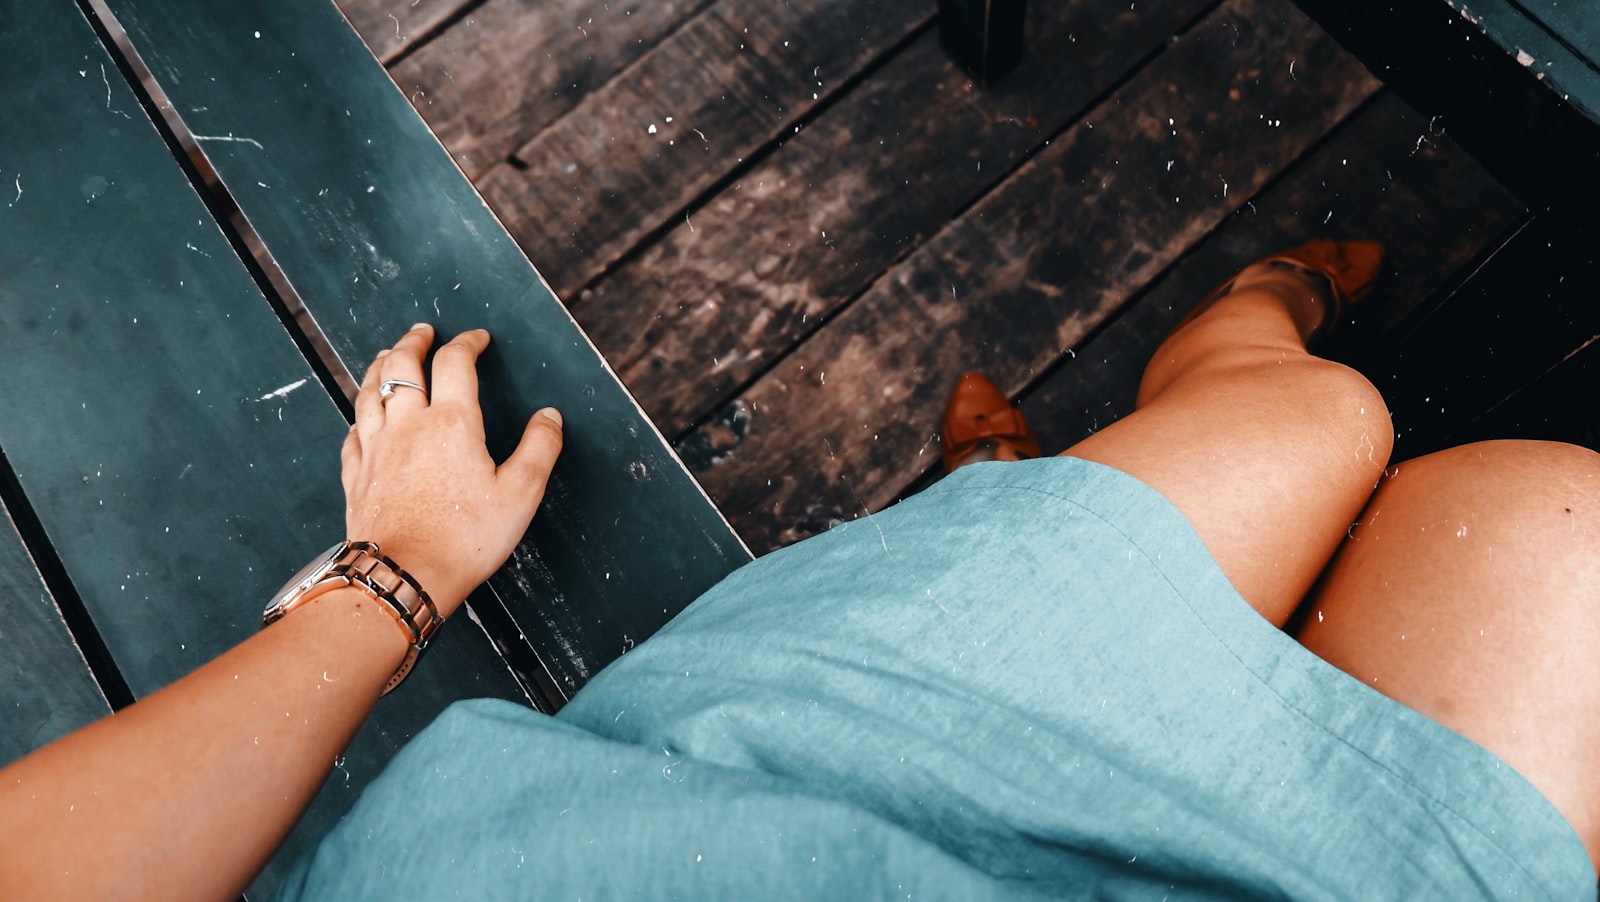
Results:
x,y
981,424
1350,269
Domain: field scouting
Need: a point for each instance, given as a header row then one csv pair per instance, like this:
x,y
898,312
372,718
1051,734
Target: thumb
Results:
x,y
530,464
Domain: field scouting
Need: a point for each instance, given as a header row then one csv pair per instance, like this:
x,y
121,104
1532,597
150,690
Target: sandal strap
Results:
x,y
1002,424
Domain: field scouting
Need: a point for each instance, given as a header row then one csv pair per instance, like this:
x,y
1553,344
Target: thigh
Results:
x,y
1470,591
1269,453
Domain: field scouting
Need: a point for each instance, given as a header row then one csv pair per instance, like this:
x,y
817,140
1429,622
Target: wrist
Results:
x,y
363,568
360,631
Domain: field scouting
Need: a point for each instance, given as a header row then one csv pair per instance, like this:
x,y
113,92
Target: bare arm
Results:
x,y
187,793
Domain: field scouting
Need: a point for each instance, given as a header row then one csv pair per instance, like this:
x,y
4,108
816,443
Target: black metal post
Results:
x,y
984,37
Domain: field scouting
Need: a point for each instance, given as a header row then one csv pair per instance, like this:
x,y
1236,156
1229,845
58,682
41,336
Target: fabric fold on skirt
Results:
x,y
1031,679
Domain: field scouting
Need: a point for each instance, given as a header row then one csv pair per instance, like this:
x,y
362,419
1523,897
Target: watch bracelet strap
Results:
x,y
369,569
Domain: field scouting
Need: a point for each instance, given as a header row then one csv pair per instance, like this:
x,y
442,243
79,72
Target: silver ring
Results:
x,y
387,387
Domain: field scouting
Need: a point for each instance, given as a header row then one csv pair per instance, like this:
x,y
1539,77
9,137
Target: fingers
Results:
x,y
530,464
455,369
404,363
369,407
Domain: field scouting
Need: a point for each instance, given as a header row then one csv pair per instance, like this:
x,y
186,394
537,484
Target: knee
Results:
x,y
1344,407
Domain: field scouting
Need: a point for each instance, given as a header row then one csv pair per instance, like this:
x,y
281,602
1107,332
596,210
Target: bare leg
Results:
x,y
1268,451
1470,591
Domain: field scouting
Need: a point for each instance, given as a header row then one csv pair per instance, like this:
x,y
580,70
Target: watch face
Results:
x,y
306,578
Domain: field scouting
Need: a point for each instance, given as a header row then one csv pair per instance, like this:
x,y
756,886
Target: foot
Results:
x,y
1317,279
980,424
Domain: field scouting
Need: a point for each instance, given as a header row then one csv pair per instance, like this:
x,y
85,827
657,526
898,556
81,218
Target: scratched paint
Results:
x,y
283,392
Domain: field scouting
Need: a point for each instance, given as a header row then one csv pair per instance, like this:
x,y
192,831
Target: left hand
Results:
x,y
418,479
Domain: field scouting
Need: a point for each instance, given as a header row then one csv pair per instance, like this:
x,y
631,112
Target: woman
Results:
x,y
1051,677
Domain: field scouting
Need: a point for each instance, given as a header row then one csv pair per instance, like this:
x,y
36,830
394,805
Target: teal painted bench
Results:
x,y
170,432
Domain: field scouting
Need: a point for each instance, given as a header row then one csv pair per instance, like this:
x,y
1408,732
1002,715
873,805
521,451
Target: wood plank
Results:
x,y
391,26
46,689
894,159
375,229
178,451
1432,205
636,153
837,429
512,67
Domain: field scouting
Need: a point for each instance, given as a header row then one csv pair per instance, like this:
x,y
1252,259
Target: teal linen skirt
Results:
x,y
1031,680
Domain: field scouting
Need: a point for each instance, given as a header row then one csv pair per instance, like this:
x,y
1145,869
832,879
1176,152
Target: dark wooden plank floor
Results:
x,y
790,227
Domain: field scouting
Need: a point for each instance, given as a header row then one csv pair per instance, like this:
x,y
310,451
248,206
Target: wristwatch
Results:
x,y
360,564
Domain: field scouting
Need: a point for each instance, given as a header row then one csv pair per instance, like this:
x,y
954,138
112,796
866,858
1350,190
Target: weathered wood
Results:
x,y
512,67
893,160
391,26
177,449
375,229
1432,205
837,428
46,689
643,148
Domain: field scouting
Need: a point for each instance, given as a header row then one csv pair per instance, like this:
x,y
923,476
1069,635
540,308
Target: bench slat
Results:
x,y
178,450
46,689
376,229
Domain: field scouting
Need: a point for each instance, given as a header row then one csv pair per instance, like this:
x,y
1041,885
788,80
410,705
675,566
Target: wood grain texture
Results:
x,y
512,67
894,160
1434,208
640,150
840,427
391,26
